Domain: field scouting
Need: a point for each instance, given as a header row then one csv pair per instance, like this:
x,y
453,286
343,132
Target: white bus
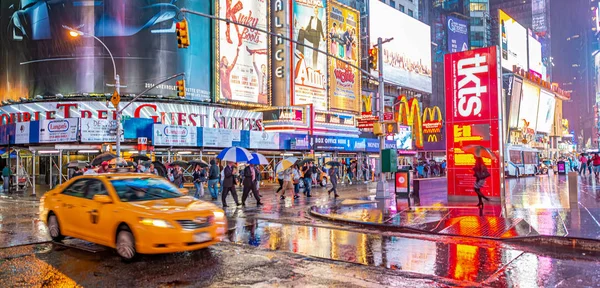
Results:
x,y
521,161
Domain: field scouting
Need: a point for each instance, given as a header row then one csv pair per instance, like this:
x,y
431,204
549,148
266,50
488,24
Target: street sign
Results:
x,y
115,99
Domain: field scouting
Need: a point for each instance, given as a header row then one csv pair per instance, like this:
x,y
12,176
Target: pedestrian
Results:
x,y
348,174
314,171
287,182
229,184
250,178
103,168
582,164
308,178
480,173
296,181
258,180
596,163
213,179
280,181
178,177
6,173
77,172
152,170
333,177
199,177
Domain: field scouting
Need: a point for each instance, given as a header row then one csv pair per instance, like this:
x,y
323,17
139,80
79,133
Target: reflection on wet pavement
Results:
x,y
533,206
459,261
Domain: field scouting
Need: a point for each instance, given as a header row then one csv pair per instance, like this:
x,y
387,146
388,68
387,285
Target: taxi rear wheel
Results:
x,y
54,228
125,245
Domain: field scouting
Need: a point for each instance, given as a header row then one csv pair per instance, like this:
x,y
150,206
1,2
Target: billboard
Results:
x,y
40,58
529,107
513,42
515,102
403,138
407,58
473,117
174,135
458,34
597,71
242,66
535,56
58,130
309,66
344,43
545,117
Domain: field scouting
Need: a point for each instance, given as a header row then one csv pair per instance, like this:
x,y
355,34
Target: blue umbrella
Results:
x,y
258,159
235,154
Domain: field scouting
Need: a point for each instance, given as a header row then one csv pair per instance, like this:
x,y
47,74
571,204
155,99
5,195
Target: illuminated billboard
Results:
x,y
529,107
535,56
513,42
40,58
344,43
458,34
242,66
545,117
515,102
407,58
473,117
597,71
309,66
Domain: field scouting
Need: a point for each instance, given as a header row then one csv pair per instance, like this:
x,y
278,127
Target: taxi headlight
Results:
x,y
219,215
155,222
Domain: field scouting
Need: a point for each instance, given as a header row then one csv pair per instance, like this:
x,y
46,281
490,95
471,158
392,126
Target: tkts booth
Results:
x,y
473,117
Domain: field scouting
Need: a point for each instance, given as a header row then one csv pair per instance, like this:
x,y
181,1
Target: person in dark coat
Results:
x,y
213,179
229,184
333,178
178,177
480,174
250,179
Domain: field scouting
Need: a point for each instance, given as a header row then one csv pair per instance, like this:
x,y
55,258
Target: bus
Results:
x,y
521,161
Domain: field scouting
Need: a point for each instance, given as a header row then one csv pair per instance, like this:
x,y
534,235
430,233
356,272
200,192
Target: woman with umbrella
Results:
x,y
480,171
199,177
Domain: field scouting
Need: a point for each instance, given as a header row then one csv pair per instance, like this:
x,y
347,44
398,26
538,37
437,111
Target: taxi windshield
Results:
x,y
144,189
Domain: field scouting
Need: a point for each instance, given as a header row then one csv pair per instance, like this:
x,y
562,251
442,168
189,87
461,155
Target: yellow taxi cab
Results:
x,y
134,213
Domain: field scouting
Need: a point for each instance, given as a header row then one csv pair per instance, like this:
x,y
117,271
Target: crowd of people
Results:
x,y
431,168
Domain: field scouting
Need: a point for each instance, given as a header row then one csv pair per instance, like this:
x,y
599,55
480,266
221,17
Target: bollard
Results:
x,y
573,187
550,172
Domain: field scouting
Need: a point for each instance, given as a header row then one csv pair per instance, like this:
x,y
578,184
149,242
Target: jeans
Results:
x,y
307,184
6,182
212,188
582,168
199,190
296,188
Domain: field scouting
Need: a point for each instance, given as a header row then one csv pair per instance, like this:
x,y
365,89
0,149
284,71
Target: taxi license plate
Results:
x,y
202,237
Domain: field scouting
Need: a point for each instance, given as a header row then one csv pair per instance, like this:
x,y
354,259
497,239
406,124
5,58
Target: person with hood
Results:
x,y
480,173
103,168
213,179
249,183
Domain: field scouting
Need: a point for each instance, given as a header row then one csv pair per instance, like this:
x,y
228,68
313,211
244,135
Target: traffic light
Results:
x,y
373,53
180,88
183,35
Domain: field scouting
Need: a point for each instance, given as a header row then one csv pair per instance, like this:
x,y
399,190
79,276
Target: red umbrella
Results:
x,y
479,151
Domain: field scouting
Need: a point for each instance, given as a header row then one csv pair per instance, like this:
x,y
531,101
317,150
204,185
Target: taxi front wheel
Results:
x,y
54,228
125,245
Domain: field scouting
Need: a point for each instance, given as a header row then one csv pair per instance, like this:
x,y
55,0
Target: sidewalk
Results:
x,y
535,206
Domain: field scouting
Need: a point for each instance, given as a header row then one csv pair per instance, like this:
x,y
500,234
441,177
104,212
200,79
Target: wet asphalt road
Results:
x,y
280,245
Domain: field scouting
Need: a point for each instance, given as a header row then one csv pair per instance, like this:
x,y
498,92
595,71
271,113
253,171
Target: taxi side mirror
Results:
x,y
104,199
184,191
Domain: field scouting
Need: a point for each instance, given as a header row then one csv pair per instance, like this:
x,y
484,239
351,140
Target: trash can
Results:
x,y
561,167
402,183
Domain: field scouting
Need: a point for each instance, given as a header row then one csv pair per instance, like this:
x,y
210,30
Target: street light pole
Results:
x,y
382,185
75,33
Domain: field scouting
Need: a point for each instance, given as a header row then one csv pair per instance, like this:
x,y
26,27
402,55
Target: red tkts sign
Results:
x,y
473,110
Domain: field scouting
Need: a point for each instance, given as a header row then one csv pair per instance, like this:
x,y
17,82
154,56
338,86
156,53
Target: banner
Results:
x,y
22,133
59,130
310,67
172,135
221,138
242,54
473,117
99,130
264,140
458,34
513,42
344,43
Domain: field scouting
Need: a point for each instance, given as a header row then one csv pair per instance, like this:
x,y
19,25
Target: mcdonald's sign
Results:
x,y
432,138
409,114
431,123
367,103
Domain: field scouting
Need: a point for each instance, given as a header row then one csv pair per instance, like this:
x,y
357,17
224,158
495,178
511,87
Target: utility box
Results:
x,y
389,160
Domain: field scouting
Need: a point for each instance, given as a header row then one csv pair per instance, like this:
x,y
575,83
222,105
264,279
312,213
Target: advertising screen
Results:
x,y
535,56
39,57
344,43
473,117
310,66
529,106
458,34
513,42
597,71
515,101
407,58
243,53
545,117
403,138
